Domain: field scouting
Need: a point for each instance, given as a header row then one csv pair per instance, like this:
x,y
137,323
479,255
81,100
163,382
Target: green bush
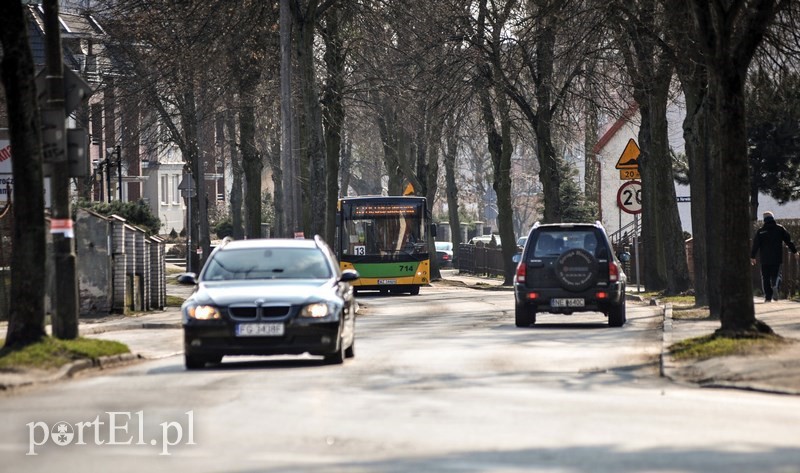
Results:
x,y
223,229
136,213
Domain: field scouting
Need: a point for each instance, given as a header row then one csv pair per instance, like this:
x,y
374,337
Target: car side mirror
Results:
x,y
349,275
187,278
624,256
517,258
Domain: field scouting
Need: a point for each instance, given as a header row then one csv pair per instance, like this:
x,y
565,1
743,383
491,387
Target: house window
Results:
x,y
164,189
176,180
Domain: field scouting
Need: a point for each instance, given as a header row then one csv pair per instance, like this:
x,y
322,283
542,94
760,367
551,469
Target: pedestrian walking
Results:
x,y
768,241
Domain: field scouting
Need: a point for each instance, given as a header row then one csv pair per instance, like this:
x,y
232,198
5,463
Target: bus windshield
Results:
x,y
383,228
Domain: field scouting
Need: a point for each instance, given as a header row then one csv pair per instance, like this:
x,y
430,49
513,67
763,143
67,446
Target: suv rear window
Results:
x,y
555,242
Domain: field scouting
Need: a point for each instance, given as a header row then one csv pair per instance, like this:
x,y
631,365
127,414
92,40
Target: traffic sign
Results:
x,y
629,174
629,159
76,89
629,197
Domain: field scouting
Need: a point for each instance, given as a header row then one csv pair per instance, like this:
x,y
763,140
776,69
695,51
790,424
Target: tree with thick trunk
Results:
x,y
649,65
333,112
236,174
729,34
694,82
453,127
26,317
498,142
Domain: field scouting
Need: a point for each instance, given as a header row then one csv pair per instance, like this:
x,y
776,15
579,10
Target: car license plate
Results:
x,y
259,330
387,281
574,302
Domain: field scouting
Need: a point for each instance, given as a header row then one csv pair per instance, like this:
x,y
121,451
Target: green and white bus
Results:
x,y
385,239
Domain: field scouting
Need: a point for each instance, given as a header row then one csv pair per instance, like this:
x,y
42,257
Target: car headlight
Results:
x,y
203,312
316,311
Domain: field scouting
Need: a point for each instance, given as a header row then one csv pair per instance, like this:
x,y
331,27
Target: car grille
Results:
x,y
252,312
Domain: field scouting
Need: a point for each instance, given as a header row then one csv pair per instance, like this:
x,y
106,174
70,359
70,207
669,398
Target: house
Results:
x,y
610,148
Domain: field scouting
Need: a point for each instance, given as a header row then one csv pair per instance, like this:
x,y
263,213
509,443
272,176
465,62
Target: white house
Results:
x,y
609,149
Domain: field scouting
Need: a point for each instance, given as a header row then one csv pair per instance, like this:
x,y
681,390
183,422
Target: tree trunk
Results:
x,y
315,157
451,152
728,36
390,137
428,174
590,163
653,273
290,217
252,163
676,269
28,271
695,134
737,311
236,171
500,149
333,115
548,163
200,229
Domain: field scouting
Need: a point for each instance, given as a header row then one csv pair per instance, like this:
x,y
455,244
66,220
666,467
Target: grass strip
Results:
x,y
712,346
51,353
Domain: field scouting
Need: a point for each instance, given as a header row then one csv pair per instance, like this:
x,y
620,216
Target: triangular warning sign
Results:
x,y
630,157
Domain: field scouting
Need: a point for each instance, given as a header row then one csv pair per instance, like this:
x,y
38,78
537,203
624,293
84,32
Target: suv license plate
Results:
x,y
575,302
259,330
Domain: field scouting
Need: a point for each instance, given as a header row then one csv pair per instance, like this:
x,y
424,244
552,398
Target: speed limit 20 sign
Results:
x,y
629,197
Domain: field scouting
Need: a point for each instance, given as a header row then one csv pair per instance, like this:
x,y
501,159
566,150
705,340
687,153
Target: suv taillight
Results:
x,y
521,272
613,272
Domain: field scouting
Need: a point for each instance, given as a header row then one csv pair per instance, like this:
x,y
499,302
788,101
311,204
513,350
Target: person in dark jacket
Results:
x,y
769,240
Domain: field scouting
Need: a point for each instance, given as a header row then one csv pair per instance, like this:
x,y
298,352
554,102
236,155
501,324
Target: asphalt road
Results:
x,y
442,381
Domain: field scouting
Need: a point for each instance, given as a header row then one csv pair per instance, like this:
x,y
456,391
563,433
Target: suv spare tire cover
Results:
x,y
576,269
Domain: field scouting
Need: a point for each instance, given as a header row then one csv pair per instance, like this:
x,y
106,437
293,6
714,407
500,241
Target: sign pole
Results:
x,y
636,249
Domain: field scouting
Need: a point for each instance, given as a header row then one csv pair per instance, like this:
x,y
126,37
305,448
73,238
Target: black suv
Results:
x,y
566,268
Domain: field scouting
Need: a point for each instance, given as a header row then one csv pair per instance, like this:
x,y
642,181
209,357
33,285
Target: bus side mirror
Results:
x,y
624,256
433,230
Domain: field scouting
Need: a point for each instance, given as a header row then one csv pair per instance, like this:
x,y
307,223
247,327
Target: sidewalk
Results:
x,y
777,372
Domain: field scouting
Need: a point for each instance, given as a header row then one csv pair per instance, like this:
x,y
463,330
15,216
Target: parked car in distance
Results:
x,y
566,268
521,242
444,254
269,297
485,239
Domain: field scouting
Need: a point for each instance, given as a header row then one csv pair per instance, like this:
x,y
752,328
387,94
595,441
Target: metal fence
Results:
x,y
480,259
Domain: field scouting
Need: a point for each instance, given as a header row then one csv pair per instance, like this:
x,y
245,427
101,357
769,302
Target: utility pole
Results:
x,y
65,320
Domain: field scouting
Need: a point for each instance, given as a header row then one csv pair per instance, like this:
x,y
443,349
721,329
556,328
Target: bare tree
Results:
x,y
729,33
26,318
650,67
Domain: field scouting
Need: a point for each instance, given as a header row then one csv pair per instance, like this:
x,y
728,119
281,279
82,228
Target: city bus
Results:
x,y
385,239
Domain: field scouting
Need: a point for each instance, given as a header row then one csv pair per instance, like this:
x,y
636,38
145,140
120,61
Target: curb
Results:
x,y
71,369
131,326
